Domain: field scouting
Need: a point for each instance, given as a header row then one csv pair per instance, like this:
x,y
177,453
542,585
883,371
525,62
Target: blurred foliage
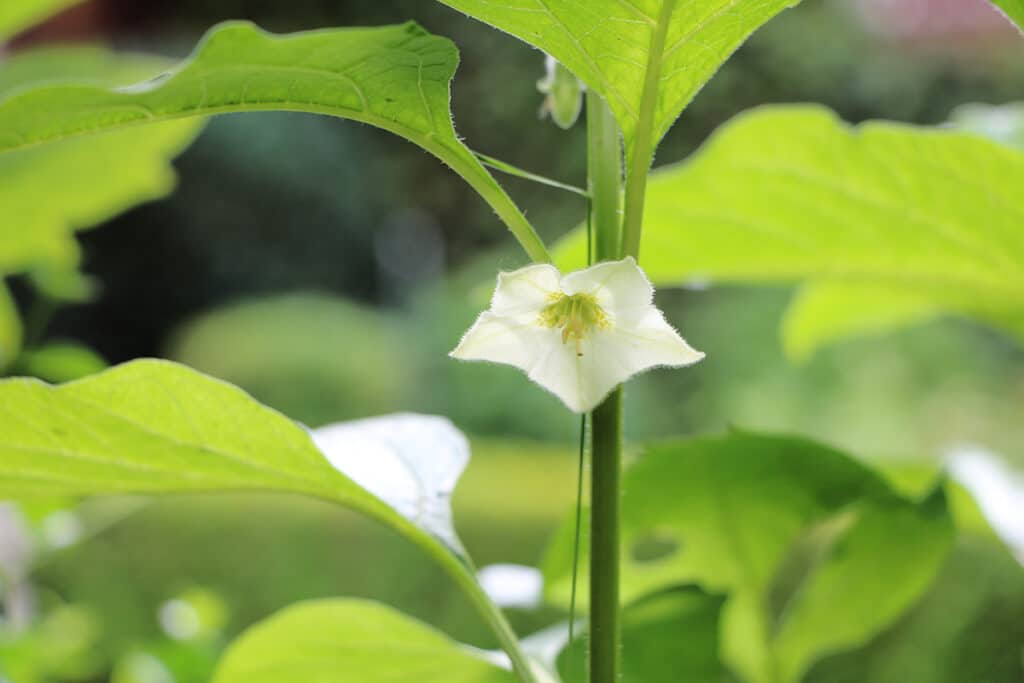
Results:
x,y
59,362
333,347
810,549
969,627
276,203
10,329
669,636
18,15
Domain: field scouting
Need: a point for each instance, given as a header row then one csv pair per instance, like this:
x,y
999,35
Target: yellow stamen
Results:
x,y
576,315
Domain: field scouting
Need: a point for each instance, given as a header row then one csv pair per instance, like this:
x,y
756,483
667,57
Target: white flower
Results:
x,y
578,336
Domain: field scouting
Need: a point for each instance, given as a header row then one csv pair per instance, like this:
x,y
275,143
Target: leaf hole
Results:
x,y
654,546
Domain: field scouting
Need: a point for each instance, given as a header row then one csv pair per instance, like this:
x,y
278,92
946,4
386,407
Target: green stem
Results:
x,y
642,152
604,176
604,166
460,568
495,618
605,496
515,220
488,188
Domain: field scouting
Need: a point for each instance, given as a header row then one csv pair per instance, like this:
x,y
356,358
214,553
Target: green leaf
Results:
x,y
909,221
49,192
10,328
814,553
826,312
969,627
53,191
646,58
868,576
18,15
344,641
1014,9
60,362
152,426
672,636
393,77
155,427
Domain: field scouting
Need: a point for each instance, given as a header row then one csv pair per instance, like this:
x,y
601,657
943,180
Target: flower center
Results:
x,y
575,314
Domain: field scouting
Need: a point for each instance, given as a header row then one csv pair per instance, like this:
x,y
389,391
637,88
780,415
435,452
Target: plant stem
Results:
x,y
462,571
604,177
604,166
507,638
642,153
604,540
507,211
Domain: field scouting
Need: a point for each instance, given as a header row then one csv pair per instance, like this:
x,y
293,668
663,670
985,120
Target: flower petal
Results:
x,y
621,288
564,374
521,294
505,340
647,341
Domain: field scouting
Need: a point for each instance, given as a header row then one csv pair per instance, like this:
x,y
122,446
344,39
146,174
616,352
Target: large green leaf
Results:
x,y
393,77
814,553
153,426
49,192
350,641
969,627
18,15
884,223
1014,9
156,427
646,58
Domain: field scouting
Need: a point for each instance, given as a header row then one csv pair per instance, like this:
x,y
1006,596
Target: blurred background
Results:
x,y
328,267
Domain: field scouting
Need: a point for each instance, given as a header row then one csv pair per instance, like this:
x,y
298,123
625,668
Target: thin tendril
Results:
x,y
505,167
579,518
579,471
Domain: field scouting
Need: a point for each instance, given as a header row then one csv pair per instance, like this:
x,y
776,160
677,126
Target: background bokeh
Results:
x,y
328,267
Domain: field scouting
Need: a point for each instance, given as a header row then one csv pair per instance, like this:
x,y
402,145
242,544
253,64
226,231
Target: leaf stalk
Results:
x,y
642,152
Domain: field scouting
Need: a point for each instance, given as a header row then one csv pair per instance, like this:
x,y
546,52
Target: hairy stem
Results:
x,y
604,165
605,496
462,571
604,177
493,194
642,153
